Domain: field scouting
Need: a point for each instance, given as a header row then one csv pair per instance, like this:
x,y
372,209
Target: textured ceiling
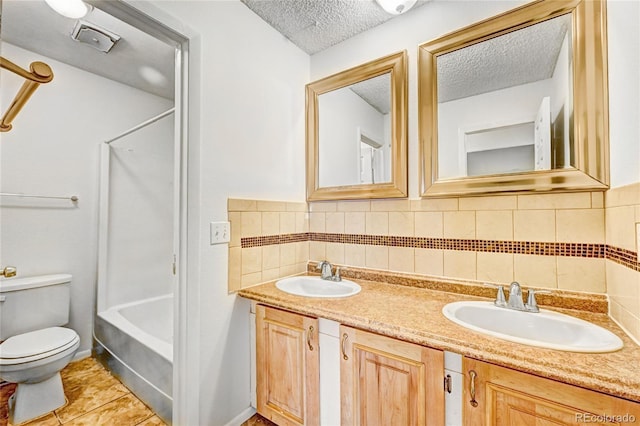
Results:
x,y
376,92
513,59
34,26
314,25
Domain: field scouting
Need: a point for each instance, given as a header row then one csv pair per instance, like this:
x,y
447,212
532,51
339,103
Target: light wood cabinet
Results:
x,y
385,381
505,397
287,365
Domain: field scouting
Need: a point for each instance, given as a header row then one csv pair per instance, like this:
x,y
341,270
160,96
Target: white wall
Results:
x,y
623,20
247,141
340,113
53,150
430,21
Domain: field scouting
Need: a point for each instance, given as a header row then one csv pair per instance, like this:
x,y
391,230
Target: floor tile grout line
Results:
x,y
72,375
102,370
94,409
147,418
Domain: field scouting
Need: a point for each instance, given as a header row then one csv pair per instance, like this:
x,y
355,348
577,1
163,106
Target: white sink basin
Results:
x,y
545,329
317,287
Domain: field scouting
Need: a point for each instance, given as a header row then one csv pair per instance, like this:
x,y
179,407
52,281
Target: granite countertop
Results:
x,y
414,315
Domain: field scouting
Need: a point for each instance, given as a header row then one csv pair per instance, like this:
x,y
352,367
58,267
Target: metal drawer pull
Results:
x,y
472,388
447,383
345,336
309,337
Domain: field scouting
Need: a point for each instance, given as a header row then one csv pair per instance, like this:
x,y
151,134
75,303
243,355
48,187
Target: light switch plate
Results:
x,y
638,240
220,232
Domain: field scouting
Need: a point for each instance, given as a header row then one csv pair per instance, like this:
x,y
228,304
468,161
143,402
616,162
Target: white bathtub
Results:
x,y
148,321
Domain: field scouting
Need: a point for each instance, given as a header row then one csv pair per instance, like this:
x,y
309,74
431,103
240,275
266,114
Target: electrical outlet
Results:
x,y
220,232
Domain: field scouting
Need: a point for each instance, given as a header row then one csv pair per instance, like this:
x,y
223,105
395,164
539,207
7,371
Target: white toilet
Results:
x,y
34,348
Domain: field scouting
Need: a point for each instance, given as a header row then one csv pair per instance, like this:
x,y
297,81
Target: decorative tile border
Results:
x,y
490,246
269,240
621,256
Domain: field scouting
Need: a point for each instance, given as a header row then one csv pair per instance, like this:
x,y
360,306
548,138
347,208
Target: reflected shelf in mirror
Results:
x,y
505,104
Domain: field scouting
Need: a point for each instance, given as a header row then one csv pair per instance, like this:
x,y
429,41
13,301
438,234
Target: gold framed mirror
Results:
x,y
517,103
357,132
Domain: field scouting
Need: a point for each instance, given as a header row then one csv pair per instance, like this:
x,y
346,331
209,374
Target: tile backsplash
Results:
x,y
275,241
550,240
622,274
569,241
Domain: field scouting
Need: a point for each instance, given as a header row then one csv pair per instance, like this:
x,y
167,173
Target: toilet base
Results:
x,y
33,400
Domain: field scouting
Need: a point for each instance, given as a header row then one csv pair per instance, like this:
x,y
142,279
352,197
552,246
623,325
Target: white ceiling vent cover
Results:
x,y
94,36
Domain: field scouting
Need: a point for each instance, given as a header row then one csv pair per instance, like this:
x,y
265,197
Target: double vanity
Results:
x,y
367,346
391,346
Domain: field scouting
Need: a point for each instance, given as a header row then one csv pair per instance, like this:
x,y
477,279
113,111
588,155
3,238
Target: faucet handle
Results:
x,y
336,276
532,305
500,299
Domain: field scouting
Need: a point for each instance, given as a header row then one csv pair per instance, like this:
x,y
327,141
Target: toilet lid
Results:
x,y
37,342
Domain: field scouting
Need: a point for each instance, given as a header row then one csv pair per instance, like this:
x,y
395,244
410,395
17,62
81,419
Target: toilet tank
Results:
x,y
33,303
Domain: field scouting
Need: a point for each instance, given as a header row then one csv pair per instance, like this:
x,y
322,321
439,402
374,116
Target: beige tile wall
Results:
x,y
572,217
622,213
253,218
611,218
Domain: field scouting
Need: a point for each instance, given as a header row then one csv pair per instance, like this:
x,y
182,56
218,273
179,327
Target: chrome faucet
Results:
x,y
325,271
515,298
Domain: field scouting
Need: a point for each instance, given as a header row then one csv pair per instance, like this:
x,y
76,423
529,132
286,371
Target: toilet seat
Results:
x,y
37,345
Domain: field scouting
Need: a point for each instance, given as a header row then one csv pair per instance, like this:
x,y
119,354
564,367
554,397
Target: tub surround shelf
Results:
x,y
414,314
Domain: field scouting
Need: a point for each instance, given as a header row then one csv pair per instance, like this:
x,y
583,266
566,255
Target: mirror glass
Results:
x,y
505,104
357,132
517,103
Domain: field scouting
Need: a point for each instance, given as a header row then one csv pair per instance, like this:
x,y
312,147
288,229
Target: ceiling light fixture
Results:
x,y
396,7
70,8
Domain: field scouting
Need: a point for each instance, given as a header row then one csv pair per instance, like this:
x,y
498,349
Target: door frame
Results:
x,y
157,23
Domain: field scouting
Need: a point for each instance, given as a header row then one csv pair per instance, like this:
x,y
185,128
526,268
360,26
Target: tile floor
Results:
x,y
94,397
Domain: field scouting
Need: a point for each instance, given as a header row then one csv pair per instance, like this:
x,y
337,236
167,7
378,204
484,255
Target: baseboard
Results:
x,y
82,355
242,417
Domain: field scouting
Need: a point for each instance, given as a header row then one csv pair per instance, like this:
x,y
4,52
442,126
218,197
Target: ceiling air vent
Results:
x,y
94,36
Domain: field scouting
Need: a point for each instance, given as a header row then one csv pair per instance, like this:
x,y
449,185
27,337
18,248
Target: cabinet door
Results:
x,y
507,397
287,366
389,382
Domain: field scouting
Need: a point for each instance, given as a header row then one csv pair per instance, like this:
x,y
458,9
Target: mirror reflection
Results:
x,y
505,105
355,133
516,103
